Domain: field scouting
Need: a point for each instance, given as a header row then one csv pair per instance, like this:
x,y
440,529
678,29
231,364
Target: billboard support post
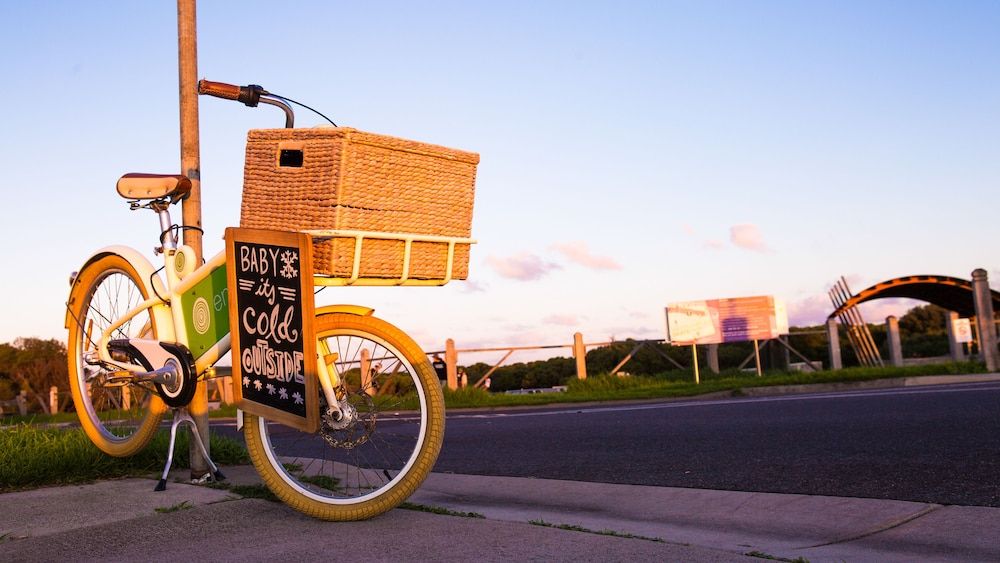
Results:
x,y
694,362
756,356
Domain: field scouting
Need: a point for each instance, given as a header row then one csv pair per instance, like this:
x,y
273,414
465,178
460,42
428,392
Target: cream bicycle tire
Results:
x,y
323,488
105,288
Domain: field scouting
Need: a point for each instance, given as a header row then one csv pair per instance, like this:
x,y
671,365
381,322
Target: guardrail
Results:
x,y
57,402
579,350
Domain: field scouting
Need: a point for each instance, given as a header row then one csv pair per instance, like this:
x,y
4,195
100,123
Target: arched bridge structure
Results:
x,y
953,294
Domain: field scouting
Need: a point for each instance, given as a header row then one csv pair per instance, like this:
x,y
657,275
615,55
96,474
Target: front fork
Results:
x,y
329,380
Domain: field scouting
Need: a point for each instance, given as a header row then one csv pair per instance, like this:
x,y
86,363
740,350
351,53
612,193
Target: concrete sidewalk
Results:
x,y
781,525
119,520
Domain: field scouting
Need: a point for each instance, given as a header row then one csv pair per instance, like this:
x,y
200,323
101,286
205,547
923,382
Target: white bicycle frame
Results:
x,y
165,306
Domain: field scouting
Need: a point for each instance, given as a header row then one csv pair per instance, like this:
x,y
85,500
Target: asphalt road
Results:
x,y
937,444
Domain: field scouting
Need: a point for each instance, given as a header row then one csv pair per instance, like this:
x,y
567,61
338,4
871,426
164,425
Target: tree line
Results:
x,y
33,365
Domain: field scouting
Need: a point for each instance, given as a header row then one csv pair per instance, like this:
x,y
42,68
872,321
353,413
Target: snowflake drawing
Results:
x,y
283,393
257,384
270,389
246,381
297,398
288,258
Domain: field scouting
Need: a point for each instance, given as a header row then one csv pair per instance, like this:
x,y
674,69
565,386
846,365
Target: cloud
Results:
x,y
562,320
714,244
687,229
523,266
810,311
470,286
747,237
578,253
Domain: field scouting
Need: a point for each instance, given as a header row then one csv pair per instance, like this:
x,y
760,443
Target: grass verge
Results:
x,y
32,456
680,384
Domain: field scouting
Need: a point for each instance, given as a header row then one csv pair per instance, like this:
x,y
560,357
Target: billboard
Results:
x,y
716,321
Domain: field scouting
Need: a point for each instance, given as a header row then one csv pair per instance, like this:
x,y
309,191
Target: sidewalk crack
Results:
x,y
880,528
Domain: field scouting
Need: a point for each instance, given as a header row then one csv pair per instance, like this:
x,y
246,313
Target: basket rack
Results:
x,y
407,238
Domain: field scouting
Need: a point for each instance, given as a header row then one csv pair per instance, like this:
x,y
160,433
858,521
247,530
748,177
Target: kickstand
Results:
x,y
182,415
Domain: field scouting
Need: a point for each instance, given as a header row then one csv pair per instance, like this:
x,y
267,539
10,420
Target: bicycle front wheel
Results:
x,y
119,418
374,459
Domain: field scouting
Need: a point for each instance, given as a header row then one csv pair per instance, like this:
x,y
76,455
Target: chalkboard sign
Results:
x,y
271,321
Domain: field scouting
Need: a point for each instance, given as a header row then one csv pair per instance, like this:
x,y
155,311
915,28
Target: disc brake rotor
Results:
x,y
356,424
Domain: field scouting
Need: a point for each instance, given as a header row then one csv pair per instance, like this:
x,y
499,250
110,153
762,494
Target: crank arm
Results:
x,y
167,375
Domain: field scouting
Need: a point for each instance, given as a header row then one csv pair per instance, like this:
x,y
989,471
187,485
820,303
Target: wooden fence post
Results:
x,y
53,399
580,353
451,360
22,403
366,372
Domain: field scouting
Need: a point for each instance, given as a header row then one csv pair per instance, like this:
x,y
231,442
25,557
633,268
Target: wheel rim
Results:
x,y
117,412
344,466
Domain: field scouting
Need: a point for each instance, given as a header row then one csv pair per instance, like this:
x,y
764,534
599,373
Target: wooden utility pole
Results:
x,y
187,57
580,354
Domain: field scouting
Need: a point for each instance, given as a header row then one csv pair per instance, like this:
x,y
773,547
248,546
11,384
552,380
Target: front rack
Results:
x,y
404,279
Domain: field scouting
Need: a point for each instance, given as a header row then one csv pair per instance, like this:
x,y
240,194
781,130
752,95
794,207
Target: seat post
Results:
x,y
162,209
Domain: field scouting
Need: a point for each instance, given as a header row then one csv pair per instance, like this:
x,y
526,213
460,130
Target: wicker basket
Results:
x,y
342,179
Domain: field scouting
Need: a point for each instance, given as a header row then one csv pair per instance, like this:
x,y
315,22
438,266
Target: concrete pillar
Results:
x,y
954,346
580,354
833,342
713,358
983,301
892,338
451,360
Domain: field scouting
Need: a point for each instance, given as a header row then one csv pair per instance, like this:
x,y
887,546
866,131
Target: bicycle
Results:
x,y
134,358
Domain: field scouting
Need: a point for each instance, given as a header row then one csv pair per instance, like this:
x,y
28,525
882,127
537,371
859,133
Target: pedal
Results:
x,y
119,378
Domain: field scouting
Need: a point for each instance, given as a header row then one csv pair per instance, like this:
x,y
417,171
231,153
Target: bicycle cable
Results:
x,y
180,228
299,104
153,285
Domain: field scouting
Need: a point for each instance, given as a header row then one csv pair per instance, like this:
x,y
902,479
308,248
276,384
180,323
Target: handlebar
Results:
x,y
250,95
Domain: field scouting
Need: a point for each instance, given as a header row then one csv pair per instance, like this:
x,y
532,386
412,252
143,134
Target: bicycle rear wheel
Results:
x,y
373,462
120,419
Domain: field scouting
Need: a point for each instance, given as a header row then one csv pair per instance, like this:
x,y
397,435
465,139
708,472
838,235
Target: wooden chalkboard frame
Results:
x,y
301,242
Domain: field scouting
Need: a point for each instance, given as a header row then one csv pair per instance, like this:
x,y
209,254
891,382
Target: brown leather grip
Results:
x,y
219,89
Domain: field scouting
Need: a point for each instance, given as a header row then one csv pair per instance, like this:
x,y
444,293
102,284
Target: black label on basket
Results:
x,y
271,314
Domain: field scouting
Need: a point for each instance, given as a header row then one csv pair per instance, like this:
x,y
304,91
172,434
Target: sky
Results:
x,y
633,154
